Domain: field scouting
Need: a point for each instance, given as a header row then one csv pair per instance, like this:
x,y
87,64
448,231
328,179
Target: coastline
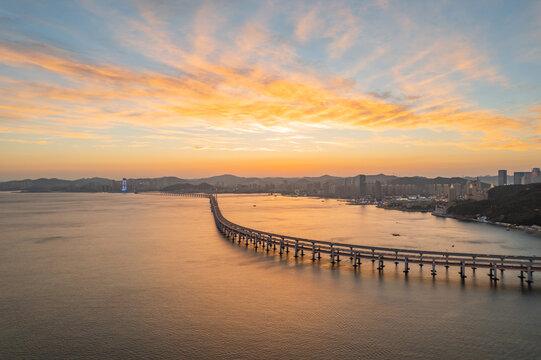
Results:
x,y
531,229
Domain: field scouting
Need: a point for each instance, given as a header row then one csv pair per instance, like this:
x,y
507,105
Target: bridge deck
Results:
x,y
315,248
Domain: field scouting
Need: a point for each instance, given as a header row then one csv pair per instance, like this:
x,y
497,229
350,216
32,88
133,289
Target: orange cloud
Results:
x,y
250,99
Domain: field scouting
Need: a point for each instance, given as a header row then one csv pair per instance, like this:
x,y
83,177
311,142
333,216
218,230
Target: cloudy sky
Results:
x,y
189,88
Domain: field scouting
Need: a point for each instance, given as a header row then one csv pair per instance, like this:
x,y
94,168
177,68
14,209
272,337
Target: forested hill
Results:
x,y
514,204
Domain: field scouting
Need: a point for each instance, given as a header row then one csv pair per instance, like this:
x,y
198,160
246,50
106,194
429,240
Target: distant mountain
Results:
x,y
418,180
489,179
223,183
190,188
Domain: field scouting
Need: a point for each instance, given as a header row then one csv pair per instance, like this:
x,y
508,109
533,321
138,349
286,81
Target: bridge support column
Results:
x,y
338,255
380,263
296,248
462,271
490,271
396,257
281,246
529,273
421,260
373,256
473,267
332,255
302,250
355,259
287,246
406,267
447,261
495,276
319,252
433,272
313,252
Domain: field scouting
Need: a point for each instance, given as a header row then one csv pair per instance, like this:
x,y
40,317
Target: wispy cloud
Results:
x,y
294,74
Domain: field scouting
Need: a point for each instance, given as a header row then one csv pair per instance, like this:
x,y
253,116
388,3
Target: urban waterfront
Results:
x,y
149,276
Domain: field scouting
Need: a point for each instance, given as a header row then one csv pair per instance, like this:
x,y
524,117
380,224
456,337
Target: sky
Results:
x,y
268,88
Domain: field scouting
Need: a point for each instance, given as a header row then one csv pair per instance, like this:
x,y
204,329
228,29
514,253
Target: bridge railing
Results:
x,y
493,262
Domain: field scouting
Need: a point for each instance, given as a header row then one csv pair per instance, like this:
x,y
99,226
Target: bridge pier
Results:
x,y
355,259
338,255
396,257
529,274
313,252
490,275
406,267
380,263
281,246
495,276
296,248
433,272
447,261
462,271
421,260
332,255
373,256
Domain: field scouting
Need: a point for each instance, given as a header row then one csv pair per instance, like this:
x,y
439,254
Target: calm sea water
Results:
x,y
145,276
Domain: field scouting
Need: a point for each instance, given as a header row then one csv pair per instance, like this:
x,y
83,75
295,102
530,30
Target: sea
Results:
x,y
148,276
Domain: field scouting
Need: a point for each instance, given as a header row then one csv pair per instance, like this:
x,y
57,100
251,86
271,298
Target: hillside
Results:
x,y
514,204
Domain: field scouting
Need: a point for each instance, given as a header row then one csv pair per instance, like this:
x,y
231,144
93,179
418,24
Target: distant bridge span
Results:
x,y
526,265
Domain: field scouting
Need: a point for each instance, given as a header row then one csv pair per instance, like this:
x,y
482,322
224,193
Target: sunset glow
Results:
x,y
152,88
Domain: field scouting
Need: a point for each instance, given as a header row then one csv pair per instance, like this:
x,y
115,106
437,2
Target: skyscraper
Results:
x,y
536,175
451,195
502,177
522,177
362,185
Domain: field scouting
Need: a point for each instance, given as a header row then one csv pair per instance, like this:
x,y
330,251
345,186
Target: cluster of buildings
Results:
x,y
520,177
358,187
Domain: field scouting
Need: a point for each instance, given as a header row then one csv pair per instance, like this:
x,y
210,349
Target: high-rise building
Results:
x,y
362,185
378,191
502,177
452,193
536,175
522,177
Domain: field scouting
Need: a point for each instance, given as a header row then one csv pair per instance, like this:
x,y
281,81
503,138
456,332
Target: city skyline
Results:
x,y
137,89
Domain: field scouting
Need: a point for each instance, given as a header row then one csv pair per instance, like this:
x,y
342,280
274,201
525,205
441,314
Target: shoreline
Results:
x,y
530,229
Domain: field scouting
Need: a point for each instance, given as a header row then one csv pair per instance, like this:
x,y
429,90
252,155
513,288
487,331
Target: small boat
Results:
x,y
395,234
254,205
